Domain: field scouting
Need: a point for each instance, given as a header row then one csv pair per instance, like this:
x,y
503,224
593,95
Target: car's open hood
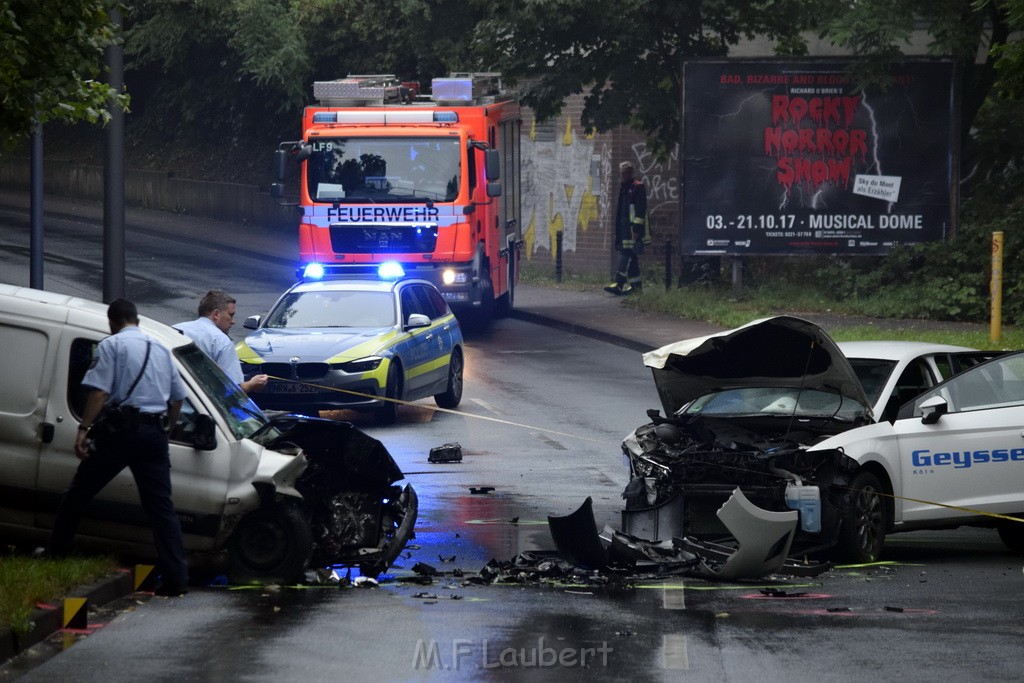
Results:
x,y
772,352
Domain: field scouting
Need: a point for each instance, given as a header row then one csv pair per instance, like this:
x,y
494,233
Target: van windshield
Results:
x,y
243,417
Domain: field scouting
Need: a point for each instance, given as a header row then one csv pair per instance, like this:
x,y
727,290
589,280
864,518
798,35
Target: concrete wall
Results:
x,y
156,190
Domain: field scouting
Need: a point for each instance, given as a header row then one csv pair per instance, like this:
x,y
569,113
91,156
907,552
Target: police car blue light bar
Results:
x,y
390,270
313,271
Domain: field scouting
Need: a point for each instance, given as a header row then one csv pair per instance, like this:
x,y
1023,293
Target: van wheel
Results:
x,y
452,395
865,519
1012,535
388,413
271,545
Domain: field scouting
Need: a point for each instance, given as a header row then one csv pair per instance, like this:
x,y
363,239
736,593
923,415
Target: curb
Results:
x,y
581,330
48,620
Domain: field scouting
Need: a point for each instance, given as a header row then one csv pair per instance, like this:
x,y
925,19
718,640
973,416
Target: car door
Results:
x,y
442,324
419,350
973,455
29,349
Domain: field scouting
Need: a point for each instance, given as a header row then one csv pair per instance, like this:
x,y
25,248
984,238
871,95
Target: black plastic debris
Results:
x,y
575,537
424,569
450,452
442,559
893,609
480,489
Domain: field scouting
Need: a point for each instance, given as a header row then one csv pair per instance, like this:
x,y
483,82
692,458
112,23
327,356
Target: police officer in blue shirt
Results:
x,y
210,333
137,377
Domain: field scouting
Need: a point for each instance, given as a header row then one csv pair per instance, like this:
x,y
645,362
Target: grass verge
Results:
x,y
25,581
719,305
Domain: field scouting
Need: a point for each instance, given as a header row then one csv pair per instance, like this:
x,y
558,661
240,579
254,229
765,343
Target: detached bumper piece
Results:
x,y
759,545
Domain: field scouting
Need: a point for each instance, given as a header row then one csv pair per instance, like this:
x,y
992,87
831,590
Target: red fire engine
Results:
x,y
391,177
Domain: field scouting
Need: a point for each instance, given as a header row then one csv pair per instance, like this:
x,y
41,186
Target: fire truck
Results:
x,y
428,185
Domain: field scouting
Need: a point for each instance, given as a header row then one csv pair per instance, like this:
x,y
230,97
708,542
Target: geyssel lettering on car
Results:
x,y
965,459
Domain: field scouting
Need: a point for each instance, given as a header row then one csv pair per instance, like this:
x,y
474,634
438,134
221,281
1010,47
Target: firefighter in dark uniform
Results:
x,y
137,375
631,233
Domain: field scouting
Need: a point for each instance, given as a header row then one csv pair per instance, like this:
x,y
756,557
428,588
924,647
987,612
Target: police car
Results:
x,y
775,410
356,343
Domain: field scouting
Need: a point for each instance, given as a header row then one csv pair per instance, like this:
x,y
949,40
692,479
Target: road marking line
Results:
x,y
673,598
674,654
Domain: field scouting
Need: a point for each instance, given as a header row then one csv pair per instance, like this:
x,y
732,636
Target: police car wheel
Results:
x,y
452,395
1012,535
387,414
865,518
271,545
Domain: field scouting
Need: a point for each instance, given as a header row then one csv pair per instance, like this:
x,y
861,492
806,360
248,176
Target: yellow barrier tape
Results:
x,y
439,409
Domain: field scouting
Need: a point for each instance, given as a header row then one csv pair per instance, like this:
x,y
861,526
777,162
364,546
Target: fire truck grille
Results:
x,y
363,239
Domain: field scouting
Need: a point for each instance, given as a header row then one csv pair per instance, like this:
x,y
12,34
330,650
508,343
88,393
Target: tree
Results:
x,y
51,53
627,55
215,66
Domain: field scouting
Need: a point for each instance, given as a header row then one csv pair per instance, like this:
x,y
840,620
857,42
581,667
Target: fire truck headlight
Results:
x,y
313,271
448,277
390,270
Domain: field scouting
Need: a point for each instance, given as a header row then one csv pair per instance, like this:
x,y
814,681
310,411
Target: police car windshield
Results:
x,y
332,308
384,170
242,416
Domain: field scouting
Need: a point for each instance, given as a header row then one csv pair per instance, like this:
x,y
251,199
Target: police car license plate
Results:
x,y
291,388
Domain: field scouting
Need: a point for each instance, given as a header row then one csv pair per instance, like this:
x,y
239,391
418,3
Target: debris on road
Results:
x,y
450,452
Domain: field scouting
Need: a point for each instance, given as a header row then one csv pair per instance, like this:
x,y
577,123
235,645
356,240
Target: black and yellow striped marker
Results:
x,y
145,577
76,613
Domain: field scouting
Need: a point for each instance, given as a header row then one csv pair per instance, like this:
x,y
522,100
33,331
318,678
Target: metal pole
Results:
x,y
737,274
558,256
113,176
35,273
668,264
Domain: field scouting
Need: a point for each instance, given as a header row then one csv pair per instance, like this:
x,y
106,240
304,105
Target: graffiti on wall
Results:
x,y
561,181
660,177
570,183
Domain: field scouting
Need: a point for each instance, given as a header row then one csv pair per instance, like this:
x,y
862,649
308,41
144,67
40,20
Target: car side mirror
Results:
x,y
252,322
417,320
933,409
204,437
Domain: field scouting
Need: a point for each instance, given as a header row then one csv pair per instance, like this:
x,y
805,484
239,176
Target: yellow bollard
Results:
x,y
996,287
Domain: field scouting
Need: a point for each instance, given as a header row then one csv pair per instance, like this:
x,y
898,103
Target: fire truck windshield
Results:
x,y
383,170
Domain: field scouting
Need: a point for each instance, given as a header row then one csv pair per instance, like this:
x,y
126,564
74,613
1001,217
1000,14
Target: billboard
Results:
x,y
789,157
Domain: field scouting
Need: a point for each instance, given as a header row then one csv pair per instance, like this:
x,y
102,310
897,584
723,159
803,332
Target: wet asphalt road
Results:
x,y
550,410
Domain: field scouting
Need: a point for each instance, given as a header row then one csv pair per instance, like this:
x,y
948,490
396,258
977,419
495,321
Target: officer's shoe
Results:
x,y
627,289
613,288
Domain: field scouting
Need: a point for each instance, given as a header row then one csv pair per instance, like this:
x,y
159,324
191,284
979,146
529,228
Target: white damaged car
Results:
x,y
274,494
775,409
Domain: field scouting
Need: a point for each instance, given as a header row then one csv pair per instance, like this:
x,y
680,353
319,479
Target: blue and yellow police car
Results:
x,y
357,343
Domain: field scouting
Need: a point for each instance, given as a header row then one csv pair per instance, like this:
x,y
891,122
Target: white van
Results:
x,y
279,494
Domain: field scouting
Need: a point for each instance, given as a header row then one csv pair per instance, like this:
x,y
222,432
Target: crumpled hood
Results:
x,y
771,352
307,345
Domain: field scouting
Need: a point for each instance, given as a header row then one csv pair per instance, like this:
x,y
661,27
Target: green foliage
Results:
x,y
51,55
25,581
626,56
223,67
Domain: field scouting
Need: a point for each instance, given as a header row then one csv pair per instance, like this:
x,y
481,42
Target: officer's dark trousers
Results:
x,y
144,451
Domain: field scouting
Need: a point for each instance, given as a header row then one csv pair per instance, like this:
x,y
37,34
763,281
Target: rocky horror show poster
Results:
x,y
789,157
